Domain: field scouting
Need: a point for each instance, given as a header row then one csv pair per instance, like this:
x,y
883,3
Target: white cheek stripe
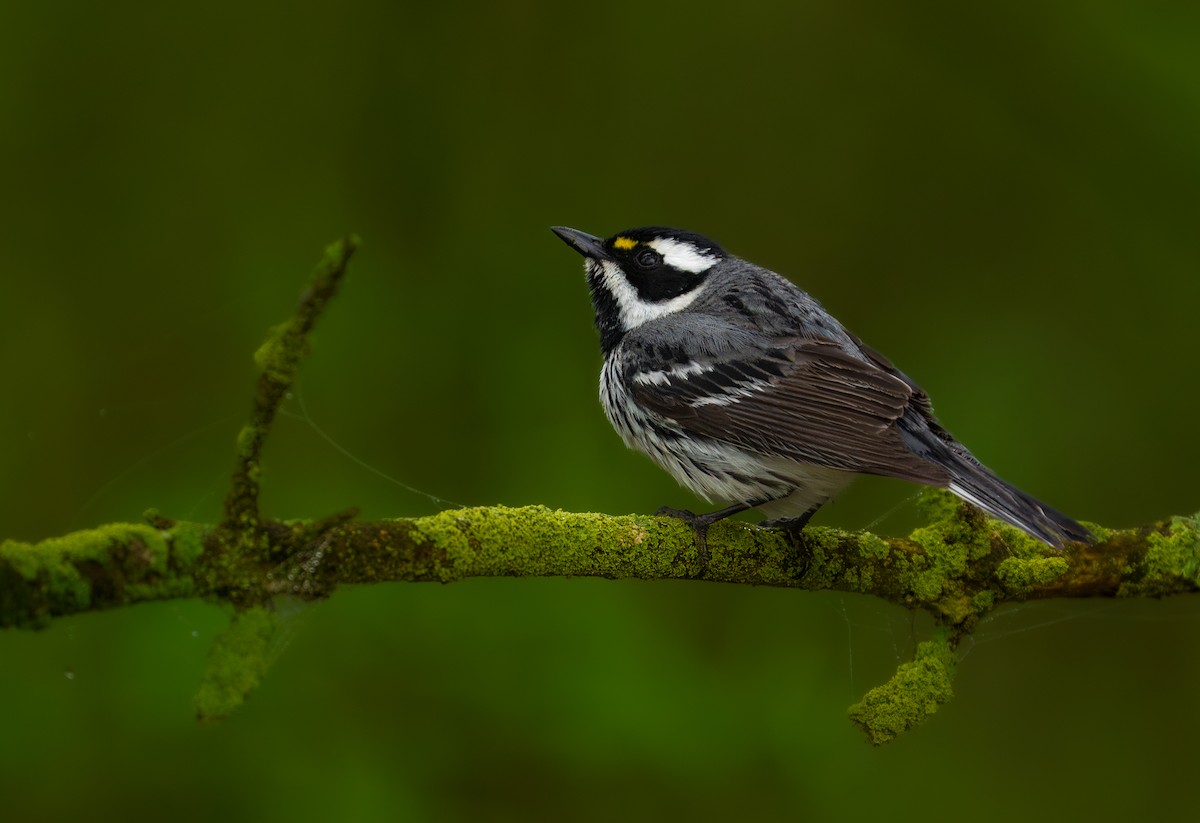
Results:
x,y
681,255
634,310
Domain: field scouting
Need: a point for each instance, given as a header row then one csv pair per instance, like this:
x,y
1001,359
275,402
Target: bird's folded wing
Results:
x,y
803,399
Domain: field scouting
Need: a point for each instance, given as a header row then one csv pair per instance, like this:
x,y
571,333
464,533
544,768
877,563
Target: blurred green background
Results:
x,y
1004,198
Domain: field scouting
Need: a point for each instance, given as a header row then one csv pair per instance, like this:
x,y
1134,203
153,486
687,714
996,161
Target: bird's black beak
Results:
x,y
582,242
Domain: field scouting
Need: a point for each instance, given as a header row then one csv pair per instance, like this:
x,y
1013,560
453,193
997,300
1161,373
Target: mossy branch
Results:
x,y
958,568
278,359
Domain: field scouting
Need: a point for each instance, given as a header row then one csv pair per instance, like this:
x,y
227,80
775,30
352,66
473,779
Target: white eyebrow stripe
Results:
x,y
682,255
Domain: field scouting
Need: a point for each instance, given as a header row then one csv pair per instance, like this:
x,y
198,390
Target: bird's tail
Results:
x,y
975,483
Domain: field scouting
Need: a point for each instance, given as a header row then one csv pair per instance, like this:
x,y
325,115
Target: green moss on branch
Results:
x,y
941,568
237,662
99,568
913,694
958,567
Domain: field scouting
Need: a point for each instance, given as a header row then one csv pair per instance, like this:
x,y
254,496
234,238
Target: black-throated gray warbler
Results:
x,y
748,392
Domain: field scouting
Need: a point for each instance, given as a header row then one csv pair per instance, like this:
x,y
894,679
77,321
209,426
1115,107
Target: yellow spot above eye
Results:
x,y
624,243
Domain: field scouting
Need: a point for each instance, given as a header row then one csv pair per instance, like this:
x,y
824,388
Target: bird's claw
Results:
x,y
792,528
791,525
699,524
679,514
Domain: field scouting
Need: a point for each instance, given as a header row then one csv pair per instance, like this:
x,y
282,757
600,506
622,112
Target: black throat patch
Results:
x,y
608,315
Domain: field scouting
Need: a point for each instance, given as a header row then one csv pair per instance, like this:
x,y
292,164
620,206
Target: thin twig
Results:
x,y
279,360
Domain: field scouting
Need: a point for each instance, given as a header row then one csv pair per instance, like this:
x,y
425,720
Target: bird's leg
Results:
x,y
701,522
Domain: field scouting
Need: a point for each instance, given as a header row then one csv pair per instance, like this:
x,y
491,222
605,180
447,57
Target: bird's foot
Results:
x,y
791,525
699,524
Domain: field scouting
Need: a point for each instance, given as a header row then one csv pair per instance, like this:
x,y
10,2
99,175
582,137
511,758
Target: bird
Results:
x,y
749,393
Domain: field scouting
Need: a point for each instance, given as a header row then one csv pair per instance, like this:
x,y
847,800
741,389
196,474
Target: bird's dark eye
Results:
x,y
647,259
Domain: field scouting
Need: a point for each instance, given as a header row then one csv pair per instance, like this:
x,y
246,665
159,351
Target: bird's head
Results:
x,y
639,275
